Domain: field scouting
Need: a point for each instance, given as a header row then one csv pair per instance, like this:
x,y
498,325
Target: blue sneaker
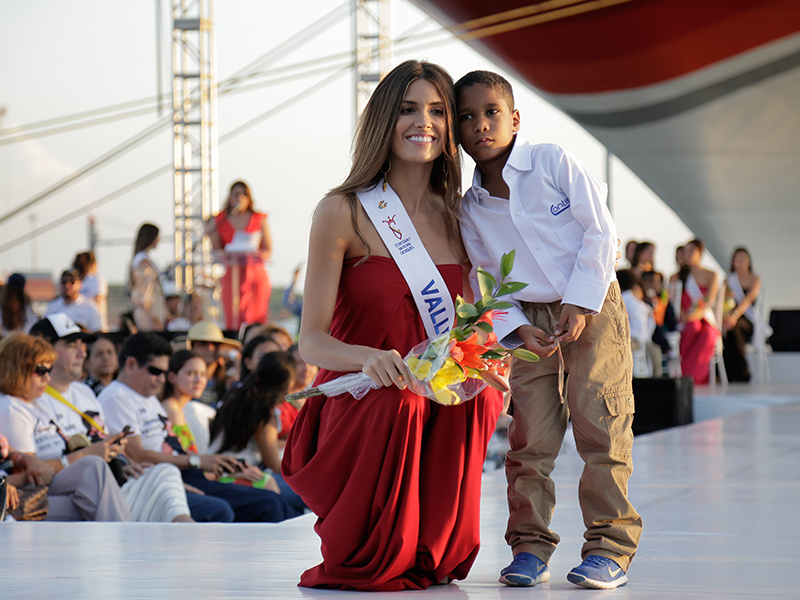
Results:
x,y
524,571
598,572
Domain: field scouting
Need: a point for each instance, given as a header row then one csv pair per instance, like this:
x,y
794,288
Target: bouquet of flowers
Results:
x,y
454,366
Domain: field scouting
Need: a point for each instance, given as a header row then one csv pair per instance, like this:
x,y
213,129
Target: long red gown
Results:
x,y
394,478
698,344
254,284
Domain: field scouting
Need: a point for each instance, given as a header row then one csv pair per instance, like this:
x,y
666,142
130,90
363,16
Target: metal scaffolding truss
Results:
x,y
195,157
373,47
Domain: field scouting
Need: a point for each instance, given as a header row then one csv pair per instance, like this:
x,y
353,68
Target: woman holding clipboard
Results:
x,y
243,235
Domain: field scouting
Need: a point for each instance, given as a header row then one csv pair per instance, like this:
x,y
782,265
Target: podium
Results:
x,y
236,260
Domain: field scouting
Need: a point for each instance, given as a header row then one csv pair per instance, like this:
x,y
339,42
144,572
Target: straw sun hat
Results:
x,y
208,331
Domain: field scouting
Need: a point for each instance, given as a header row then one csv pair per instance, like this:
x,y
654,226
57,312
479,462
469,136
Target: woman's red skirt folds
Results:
x,y
394,478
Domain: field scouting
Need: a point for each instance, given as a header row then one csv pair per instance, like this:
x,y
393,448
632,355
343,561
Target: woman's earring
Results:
x,y
386,173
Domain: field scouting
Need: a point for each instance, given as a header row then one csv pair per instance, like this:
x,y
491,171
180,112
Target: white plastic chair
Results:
x,y
716,359
758,348
675,290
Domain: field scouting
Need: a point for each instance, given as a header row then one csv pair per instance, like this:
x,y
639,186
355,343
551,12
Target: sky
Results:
x,y
58,58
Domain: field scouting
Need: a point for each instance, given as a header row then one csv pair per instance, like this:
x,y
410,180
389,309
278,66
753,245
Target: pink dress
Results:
x,y
254,285
698,342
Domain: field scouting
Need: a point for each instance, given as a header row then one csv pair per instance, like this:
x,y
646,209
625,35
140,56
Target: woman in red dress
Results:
x,y
699,334
394,478
244,236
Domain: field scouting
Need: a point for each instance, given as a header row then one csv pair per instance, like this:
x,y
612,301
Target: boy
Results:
x,y
540,201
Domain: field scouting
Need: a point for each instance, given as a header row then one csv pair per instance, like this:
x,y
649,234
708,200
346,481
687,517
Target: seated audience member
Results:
x,y
630,250
270,330
664,314
101,363
743,322
153,494
19,469
16,312
130,400
94,287
247,422
700,332
303,378
74,304
144,361
644,257
185,380
253,351
83,487
642,323
206,339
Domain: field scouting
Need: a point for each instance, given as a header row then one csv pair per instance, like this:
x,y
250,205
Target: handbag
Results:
x,y
33,504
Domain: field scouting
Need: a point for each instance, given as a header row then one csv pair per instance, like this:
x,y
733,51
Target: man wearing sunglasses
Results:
x,y
131,400
153,494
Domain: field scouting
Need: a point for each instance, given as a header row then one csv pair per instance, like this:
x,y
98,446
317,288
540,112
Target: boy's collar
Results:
x,y
519,159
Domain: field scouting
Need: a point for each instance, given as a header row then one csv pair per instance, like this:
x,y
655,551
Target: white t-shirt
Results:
x,y
70,422
30,429
198,417
81,311
640,315
124,406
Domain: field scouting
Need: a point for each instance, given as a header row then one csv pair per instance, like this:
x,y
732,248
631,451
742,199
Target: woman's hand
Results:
x,y
133,470
12,497
218,464
106,449
386,367
249,472
190,489
37,471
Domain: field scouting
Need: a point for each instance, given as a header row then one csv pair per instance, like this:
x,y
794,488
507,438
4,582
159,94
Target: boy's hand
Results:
x,y
571,324
536,340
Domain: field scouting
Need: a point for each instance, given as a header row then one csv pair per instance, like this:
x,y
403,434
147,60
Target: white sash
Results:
x,y
387,213
696,296
761,330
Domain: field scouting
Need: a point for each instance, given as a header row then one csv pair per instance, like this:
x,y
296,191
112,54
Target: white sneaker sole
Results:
x,y
595,584
522,580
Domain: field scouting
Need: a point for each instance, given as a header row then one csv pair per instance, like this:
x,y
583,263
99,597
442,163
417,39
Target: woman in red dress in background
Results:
x,y
394,478
243,234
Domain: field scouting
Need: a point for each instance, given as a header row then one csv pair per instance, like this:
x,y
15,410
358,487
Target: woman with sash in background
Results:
x,y
393,477
743,323
700,330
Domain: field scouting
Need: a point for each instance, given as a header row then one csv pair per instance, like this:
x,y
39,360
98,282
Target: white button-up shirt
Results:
x,y
556,219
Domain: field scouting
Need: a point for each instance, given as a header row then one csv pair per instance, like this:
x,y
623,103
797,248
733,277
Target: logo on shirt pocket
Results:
x,y
557,209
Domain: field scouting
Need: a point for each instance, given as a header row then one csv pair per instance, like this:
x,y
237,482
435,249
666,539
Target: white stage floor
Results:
x,y
719,500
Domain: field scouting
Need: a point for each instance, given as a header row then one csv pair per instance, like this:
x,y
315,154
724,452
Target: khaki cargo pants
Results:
x,y
599,399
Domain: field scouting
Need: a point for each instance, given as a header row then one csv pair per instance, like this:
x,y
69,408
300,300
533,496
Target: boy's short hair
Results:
x,y
489,79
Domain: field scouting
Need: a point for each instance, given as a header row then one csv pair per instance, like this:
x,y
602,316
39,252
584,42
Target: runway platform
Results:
x,y
719,500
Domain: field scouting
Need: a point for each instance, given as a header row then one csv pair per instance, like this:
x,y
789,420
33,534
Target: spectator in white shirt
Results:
x,y
74,304
642,322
